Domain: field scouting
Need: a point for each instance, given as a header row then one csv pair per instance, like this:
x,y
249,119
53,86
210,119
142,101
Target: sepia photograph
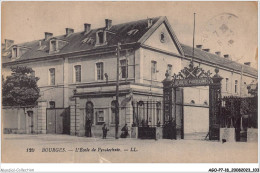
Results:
x,y
129,82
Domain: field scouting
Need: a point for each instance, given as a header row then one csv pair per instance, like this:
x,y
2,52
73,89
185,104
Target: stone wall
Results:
x,y
17,120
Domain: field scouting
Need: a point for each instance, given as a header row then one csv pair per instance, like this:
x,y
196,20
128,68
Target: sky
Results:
x,y
229,27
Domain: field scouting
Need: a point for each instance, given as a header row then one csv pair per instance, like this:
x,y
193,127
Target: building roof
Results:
x,y
217,60
125,33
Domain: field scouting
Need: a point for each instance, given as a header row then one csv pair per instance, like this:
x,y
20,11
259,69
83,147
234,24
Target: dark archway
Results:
x,y
89,118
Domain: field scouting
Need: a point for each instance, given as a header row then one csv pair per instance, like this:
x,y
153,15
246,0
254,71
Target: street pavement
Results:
x,y
23,148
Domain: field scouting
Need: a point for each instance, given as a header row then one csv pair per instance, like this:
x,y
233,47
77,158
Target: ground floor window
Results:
x,y
100,116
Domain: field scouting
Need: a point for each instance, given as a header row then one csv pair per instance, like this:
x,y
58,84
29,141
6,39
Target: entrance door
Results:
x,y
51,121
58,120
30,114
196,112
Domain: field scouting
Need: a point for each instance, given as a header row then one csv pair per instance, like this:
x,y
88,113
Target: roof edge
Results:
x,y
161,20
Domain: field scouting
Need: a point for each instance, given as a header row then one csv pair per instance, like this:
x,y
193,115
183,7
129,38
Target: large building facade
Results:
x,y
79,71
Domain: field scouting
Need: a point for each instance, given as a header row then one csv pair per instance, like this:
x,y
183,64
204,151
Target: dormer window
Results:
x,y
18,51
56,45
53,46
100,38
15,52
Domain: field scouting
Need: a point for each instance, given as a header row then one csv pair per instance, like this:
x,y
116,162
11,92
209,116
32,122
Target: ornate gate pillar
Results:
x,y
214,106
169,108
167,97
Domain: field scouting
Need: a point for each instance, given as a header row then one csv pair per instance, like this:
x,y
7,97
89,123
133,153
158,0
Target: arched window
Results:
x,y
141,113
90,111
52,104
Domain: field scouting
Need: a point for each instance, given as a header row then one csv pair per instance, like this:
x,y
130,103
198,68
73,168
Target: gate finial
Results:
x,y
167,74
217,78
167,78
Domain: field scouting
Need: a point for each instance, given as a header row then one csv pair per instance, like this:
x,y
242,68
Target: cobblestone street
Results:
x,y
72,149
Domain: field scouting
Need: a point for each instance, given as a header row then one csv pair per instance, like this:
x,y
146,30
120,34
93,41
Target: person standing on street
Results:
x,y
88,128
124,130
105,129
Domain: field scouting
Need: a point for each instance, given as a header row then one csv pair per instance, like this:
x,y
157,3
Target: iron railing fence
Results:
x,y
147,113
238,112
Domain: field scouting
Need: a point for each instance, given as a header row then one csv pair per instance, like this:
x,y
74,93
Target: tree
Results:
x,y
20,88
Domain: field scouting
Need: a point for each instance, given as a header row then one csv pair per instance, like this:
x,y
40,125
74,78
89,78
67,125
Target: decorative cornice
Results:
x,y
99,50
113,93
161,51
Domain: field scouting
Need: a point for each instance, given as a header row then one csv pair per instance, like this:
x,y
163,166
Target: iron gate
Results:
x,y
58,120
188,77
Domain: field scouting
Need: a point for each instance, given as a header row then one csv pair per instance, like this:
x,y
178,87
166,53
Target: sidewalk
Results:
x,y
146,151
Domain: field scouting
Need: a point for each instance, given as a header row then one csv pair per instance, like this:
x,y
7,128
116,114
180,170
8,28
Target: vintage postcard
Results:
x,y
129,82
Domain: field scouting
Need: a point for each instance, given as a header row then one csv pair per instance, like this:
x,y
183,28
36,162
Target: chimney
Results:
x,y
226,56
108,23
40,43
69,31
247,63
206,50
48,35
199,46
87,27
149,22
8,43
218,53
